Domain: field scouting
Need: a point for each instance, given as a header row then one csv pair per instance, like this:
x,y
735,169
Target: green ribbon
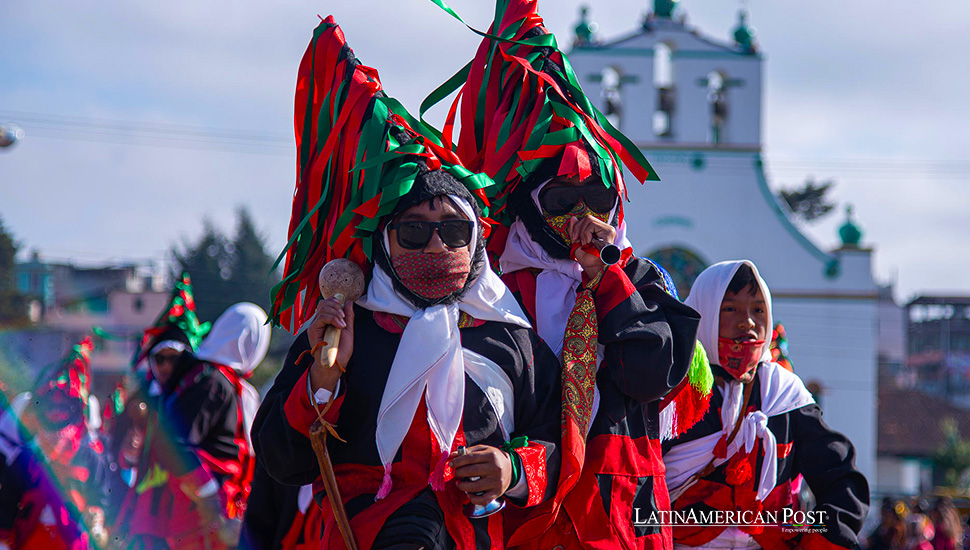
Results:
x,y
510,447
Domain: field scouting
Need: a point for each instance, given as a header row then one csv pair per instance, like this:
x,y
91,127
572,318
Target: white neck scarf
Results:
x,y
429,360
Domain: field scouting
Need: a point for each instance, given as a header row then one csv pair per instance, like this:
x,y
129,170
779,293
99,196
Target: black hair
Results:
x,y
743,278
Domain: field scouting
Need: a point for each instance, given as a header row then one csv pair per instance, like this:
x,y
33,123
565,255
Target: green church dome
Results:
x,y
664,8
744,33
585,29
850,233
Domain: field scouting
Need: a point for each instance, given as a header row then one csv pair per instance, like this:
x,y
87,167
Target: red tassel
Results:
x,y
691,408
385,484
739,471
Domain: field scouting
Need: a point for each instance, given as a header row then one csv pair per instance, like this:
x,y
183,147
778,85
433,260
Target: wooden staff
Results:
x,y
341,279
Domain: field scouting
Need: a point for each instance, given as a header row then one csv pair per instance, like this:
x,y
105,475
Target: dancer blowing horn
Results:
x,y
625,342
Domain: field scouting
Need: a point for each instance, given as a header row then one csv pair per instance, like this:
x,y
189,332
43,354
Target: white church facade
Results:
x,y
693,105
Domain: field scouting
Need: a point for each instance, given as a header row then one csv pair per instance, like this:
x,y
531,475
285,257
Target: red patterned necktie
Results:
x,y
578,380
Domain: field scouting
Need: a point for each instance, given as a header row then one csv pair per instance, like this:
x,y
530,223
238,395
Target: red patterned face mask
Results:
x,y
560,224
433,276
739,358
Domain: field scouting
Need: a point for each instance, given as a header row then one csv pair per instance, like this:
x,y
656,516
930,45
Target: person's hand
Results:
x,y
329,313
490,465
584,231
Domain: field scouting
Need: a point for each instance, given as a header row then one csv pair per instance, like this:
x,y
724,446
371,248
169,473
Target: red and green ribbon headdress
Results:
x,y
521,106
66,388
359,152
178,321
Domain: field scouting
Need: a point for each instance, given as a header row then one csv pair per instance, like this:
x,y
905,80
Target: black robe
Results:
x,y
282,445
193,422
273,519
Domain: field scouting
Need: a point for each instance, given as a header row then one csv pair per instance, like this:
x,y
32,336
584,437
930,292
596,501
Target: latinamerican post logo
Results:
x,y
787,519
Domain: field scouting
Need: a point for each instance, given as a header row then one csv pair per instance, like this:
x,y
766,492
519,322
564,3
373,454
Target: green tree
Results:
x,y
209,262
809,202
228,270
250,264
13,305
953,458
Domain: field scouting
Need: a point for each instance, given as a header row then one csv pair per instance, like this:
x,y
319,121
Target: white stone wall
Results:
x,y
898,476
832,343
693,58
724,211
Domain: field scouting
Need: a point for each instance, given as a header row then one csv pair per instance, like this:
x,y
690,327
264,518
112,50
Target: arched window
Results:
x,y
683,266
610,82
663,82
717,99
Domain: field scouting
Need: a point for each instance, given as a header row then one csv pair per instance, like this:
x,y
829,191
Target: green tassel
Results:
x,y
700,376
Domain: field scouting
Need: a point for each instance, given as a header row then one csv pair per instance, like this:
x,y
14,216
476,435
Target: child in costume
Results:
x,y
437,354
624,341
763,429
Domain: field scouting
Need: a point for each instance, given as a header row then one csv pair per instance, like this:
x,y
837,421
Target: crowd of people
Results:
x,y
167,463
511,374
919,525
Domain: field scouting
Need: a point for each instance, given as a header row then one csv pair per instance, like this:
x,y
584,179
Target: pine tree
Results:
x,y
209,263
13,305
809,202
226,271
251,277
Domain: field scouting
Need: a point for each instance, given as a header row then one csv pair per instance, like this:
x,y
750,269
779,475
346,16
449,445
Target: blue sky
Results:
x,y
874,98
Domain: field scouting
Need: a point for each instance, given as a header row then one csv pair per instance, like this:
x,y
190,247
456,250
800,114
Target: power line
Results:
x,y
183,136
252,150
175,136
149,127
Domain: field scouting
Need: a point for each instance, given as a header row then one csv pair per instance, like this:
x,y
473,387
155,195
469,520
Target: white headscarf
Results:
x,y
239,339
706,295
557,283
781,391
430,360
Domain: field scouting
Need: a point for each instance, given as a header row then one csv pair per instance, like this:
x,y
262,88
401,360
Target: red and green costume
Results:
x,y
362,161
53,484
624,341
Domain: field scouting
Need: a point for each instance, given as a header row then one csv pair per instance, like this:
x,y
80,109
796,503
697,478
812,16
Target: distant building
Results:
x,y
68,300
693,105
938,346
892,341
910,434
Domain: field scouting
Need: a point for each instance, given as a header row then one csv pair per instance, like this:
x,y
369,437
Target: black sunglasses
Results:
x,y
161,358
415,235
559,201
